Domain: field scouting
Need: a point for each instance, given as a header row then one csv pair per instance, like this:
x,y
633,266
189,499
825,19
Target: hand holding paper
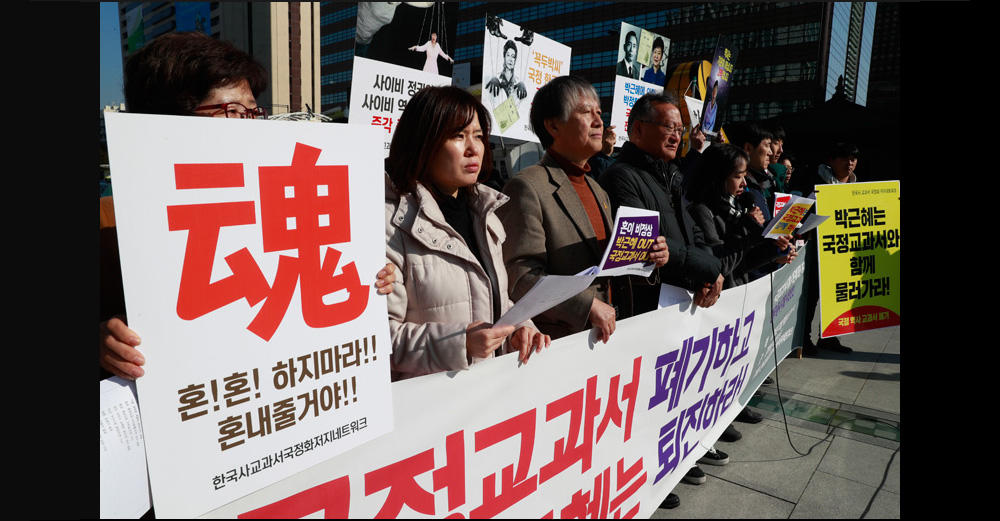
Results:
x,y
634,248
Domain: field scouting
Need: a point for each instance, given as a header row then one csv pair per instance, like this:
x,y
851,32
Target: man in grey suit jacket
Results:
x,y
558,219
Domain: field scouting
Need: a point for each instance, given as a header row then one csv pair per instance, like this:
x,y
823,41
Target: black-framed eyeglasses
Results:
x,y
235,110
679,129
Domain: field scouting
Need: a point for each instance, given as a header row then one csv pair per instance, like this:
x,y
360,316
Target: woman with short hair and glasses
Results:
x,y
191,73
183,74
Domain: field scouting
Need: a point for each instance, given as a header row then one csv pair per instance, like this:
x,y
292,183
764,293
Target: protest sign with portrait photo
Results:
x,y
516,63
641,65
717,87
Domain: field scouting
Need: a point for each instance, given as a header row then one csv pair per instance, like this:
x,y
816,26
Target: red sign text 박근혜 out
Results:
x,y
304,206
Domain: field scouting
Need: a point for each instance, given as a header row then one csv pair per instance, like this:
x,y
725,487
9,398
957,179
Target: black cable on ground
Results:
x,y
880,485
784,417
777,384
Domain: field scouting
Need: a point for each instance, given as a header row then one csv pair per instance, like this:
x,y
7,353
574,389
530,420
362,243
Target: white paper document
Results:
x,y
549,291
671,295
124,483
811,222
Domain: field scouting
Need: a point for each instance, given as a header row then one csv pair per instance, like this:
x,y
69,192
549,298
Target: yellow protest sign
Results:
x,y
859,247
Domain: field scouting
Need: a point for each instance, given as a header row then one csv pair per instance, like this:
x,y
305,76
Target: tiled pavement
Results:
x,y
838,457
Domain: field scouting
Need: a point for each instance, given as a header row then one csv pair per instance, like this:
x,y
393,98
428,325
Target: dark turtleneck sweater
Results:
x,y
458,215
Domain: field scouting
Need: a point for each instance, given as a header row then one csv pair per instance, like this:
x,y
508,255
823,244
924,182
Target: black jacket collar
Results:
x,y
638,158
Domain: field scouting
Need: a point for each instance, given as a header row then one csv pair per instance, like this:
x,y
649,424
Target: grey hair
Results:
x,y
643,109
557,99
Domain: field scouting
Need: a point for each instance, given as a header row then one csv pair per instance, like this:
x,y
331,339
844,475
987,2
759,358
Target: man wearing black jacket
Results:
x,y
645,176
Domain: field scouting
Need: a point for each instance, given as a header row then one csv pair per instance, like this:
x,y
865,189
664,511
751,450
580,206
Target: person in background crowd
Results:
x,y
777,143
782,171
732,230
774,166
184,74
600,161
628,66
838,169
645,176
654,73
755,140
559,219
443,235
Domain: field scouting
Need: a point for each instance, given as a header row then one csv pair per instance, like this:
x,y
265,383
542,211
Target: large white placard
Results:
x,y
627,91
248,252
380,91
516,63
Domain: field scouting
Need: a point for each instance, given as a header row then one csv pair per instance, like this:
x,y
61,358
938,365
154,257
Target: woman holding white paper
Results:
x,y
732,227
444,237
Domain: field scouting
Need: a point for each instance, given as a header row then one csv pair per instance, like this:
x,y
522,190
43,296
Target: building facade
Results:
x,y
282,36
885,71
791,54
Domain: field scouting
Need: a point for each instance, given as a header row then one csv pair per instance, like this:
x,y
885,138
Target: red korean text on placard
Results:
x,y
400,478
304,206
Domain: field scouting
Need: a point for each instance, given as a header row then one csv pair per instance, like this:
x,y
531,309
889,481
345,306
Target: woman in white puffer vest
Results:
x,y
445,240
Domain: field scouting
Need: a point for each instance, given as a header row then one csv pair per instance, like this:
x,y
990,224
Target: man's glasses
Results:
x,y
235,110
679,129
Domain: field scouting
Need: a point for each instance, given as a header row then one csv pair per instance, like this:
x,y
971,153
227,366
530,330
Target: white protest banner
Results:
x,y
248,252
625,95
787,310
516,63
380,91
642,60
584,429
